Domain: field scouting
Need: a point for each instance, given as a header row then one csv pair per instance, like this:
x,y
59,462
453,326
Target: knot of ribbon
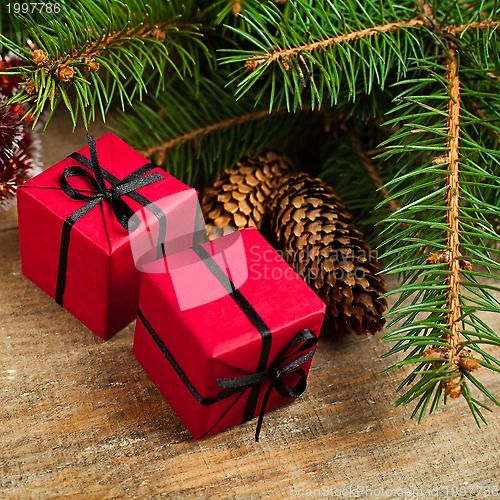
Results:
x,y
95,175
300,350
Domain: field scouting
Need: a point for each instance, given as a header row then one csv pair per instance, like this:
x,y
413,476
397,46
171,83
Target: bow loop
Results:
x,y
300,350
98,191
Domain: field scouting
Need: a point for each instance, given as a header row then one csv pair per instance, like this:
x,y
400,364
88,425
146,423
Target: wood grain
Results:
x,y
80,417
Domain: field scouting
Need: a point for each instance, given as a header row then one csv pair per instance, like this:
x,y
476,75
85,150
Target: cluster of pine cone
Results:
x,y
313,230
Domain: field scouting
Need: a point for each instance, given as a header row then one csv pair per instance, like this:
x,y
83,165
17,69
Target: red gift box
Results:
x,y
239,352
74,229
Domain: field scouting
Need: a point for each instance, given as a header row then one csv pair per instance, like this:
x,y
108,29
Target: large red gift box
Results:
x,y
226,331
74,238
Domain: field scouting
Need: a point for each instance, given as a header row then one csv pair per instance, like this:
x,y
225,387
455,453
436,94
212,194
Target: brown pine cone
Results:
x,y
239,196
320,242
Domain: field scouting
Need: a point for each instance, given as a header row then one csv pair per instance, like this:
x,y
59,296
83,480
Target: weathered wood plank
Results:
x,y
80,417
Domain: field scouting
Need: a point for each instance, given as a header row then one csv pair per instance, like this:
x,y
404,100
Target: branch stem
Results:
x,y
476,25
96,47
256,61
163,147
371,171
452,200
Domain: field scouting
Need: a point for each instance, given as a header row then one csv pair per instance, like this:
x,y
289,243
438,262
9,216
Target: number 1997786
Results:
x,y
31,7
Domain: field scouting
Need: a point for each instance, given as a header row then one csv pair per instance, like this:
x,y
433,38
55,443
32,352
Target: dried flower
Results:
x,y
30,86
158,34
65,73
40,58
90,64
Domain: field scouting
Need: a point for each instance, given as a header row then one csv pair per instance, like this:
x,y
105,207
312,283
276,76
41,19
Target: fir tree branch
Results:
x,y
284,54
102,49
297,57
61,67
209,132
440,327
97,47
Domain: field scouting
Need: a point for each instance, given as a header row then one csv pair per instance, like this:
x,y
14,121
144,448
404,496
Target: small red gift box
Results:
x,y
239,344
74,222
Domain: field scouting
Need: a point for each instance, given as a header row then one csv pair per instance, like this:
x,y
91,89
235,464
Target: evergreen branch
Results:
x,y
453,302
454,183
322,50
102,49
162,148
284,54
209,132
117,38
62,67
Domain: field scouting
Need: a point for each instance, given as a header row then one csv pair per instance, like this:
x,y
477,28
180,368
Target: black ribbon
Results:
x,y
300,350
254,318
287,363
100,192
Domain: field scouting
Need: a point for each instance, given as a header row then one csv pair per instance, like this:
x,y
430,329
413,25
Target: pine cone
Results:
x,y
238,198
320,242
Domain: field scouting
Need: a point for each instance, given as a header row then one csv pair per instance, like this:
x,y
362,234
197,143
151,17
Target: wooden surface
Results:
x,y
80,417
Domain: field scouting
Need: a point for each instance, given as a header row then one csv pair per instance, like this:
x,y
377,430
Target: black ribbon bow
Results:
x,y
287,363
100,192
300,350
113,194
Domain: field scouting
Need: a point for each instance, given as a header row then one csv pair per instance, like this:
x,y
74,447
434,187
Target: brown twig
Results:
x,y
214,127
477,25
452,200
62,68
367,164
255,61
